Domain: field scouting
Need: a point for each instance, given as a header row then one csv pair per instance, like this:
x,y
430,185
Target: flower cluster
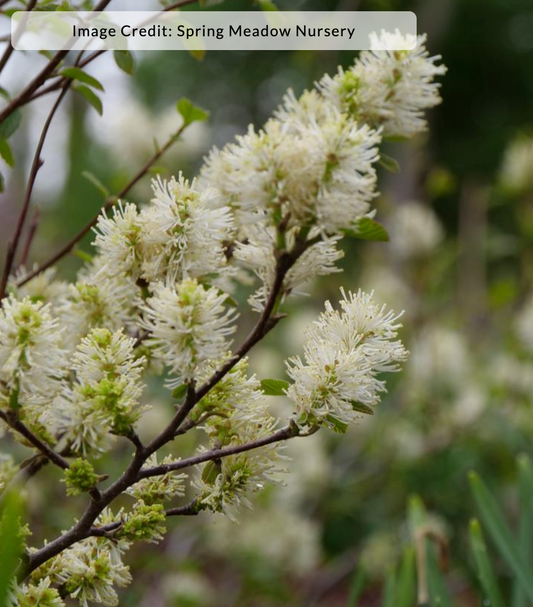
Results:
x,y
105,397
156,297
345,351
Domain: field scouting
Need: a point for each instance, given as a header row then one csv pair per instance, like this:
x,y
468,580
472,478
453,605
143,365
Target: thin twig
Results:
x,y
213,454
26,94
110,202
36,165
56,85
31,235
9,50
15,423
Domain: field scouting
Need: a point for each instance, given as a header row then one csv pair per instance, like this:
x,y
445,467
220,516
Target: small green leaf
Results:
x,y
485,571
336,424
6,153
389,163
96,182
83,255
274,387
210,472
180,391
91,97
11,544
190,112
14,399
4,93
362,408
500,533
10,124
125,61
367,228
75,73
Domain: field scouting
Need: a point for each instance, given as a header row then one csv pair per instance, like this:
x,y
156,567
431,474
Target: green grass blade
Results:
x,y
500,533
406,585
390,589
357,586
10,543
485,571
525,527
439,596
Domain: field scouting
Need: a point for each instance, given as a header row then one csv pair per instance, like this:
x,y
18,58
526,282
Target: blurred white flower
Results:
x,y
388,88
415,230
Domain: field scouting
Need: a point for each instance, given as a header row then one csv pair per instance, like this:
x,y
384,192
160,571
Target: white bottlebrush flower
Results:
x,y
415,230
227,485
516,173
41,594
43,287
345,351
157,489
388,88
235,401
32,361
182,235
88,572
258,254
98,299
118,240
105,397
189,326
312,172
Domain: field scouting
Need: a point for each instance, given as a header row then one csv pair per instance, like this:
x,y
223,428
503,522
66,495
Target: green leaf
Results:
x,y
210,472
83,255
485,571
500,533
10,543
180,391
4,93
190,112
96,182
6,153
525,528
389,163
274,387
390,589
405,589
75,73
438,592
337,425
367,228
357,586
125,61
362,408
91,97
10,124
